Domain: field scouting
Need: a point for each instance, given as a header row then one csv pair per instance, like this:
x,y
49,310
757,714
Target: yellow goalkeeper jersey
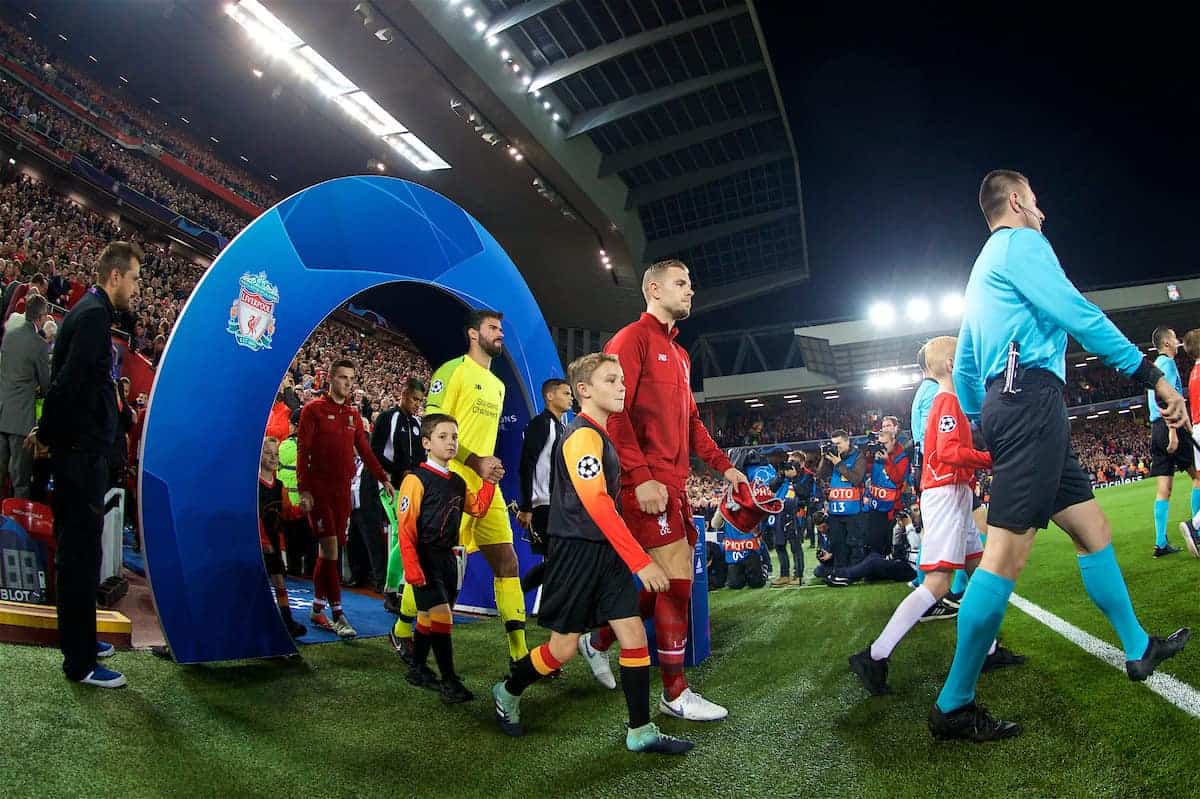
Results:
x,y
473,396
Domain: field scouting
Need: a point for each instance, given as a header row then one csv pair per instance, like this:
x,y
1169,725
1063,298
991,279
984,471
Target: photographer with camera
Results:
x,y
889,474
791,526
845,468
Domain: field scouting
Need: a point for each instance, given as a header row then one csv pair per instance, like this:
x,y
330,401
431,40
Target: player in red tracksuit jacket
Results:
x,y
1191,528
950,540
653,437
330,433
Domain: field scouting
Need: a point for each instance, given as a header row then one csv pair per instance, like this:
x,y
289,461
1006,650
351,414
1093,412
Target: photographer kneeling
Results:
x,y
845,468
874,566
738,518
889,474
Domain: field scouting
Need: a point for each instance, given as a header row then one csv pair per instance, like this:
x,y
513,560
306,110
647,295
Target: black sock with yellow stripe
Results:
x,y
635,684
531,668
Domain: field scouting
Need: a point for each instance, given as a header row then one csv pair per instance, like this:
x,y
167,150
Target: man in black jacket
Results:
x,y
79,425
541,433
396,442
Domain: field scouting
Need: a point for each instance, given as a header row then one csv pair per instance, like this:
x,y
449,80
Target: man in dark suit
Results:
x,y
540,436
24,371
79,424
396,442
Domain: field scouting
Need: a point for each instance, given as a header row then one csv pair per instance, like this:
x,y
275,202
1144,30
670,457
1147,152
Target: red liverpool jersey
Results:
x,y
948,455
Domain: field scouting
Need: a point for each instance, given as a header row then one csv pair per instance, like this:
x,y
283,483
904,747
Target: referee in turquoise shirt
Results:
x,y
1008,372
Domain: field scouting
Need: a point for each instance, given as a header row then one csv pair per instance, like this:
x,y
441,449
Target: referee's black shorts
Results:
x,y
587,585
1035,473
1163,463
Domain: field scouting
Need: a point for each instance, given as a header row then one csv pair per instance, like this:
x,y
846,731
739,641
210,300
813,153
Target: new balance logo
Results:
x,y
662,356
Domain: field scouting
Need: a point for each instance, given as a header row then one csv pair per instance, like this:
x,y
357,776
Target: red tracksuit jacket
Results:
x,y
948,457
329,434
660,421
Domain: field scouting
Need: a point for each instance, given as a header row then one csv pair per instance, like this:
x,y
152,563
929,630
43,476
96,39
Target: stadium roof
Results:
x,y
779,359
680,98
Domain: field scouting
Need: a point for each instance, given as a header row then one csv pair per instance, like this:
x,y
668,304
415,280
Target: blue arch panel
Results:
x,y
237,335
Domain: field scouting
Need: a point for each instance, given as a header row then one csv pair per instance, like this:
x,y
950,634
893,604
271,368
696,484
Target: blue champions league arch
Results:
x,y
238,333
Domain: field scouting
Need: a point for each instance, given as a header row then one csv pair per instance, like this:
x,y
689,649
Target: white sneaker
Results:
x,y
341,626
598,661
691,706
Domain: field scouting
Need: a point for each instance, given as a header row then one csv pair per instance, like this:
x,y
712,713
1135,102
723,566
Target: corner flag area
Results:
x,y
345,723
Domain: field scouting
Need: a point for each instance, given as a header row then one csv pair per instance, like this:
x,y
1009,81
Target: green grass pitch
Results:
x,y
344,722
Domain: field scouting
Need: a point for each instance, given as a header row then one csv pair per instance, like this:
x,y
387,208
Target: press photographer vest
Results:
x,y
845,499
884,493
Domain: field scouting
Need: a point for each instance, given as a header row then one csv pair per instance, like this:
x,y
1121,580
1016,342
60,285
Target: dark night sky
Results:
x,y
898,115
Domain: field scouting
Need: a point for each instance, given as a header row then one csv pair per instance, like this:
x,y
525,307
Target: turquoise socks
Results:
x,y
1162,508
1195,501
1104,584
979,619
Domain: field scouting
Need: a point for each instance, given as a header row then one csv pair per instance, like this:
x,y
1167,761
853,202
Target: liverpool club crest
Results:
x,y
252,317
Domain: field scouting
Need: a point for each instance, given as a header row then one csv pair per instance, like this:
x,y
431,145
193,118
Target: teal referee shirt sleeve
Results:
x,y
1171,372
1019,292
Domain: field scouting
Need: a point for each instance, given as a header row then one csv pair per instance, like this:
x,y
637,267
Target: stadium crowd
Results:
x,y
137,122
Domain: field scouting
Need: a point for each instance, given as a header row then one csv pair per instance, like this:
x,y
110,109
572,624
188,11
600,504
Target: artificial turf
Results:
x,y
344,722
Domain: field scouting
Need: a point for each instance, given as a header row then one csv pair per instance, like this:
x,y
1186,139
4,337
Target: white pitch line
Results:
x,y
1179,694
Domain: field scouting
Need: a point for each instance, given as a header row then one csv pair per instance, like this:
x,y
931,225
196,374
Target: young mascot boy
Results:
x,y
951,539
429,509
592,557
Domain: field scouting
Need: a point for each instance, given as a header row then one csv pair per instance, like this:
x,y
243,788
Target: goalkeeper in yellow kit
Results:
x,y
466,389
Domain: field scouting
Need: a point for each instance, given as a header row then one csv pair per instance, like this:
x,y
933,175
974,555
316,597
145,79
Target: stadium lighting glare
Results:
x,y
214,140
468,12
918,309
61,36
536,92
1101,413
516,67
13,161
1080,365
832,396
123,79
1131,407
156,102
258,73
749,401
31,14
92,58
952,305
881,314
276,38
793,402
556,116
1093,416
185,120
1091,358
1126,410
244,158
546,104
505,55
790,396
272,177
480,26
492,41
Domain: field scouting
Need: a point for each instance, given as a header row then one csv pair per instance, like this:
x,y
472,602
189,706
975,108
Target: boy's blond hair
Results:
x,y
937,350
582,368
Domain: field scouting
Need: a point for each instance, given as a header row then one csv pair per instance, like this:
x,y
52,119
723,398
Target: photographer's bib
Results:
x,y
845,498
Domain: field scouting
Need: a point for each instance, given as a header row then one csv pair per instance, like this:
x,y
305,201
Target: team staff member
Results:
x,y
466,389
331,431
396,442
1009,364
541,434
592,558
79,425
845,470
1170,449
653,436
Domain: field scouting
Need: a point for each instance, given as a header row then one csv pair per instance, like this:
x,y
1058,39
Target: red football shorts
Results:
x,y
330,516
656,530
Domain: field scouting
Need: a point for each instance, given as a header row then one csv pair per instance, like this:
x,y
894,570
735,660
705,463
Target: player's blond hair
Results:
x,y
657,271
582,368
937,350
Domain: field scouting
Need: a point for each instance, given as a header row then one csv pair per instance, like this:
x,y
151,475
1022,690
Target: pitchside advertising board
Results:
x,y
237,335
22,564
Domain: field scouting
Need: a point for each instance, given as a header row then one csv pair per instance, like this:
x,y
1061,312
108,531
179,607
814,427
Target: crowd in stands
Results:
x,y
806,421
1096,383
384,364
1112,447
107,104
